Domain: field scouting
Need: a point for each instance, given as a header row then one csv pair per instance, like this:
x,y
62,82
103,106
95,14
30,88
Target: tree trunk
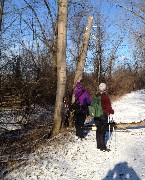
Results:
x,y
1,15
81,60
61,65
99,58
83,53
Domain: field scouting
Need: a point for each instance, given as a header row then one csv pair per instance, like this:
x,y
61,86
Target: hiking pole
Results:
x,y
115,139
114,130
109,129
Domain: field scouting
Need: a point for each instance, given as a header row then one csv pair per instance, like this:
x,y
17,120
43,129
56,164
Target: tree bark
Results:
x,y
1,13
83,52
99,59
81,60
61,65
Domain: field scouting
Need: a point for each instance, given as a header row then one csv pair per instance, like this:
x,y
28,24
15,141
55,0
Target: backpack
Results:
x,y
95,109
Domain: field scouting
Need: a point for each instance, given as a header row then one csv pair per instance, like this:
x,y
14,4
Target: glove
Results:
x,y
112,111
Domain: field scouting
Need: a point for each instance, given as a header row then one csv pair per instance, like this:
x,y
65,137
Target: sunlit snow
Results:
x,y
81,160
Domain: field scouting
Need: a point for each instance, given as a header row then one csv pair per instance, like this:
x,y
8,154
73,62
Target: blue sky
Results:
x,y
117,23
113,18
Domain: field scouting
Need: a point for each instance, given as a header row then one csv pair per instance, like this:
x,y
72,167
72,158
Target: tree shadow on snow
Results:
x,y
136,127
122,171
109,135
87,130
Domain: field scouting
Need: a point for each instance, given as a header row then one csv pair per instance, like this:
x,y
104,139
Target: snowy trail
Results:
x,y
81,160
130,108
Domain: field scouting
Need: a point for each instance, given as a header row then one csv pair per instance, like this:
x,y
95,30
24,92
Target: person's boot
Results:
x,y
106,149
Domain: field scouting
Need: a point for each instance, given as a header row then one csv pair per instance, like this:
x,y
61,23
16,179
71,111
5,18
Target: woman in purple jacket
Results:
x,y
82,101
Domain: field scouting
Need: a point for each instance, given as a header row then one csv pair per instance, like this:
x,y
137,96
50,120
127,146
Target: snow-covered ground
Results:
x,y
81,160
130,108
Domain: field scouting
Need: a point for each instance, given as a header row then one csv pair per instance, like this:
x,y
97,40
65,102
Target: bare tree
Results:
x,y
61,64
83,52
112,58
129,9
1,14
98,58
82,59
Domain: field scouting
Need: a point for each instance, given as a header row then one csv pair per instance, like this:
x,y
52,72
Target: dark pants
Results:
x,y
66,122
101,124
79,123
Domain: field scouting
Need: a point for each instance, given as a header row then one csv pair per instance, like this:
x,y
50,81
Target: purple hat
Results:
x,y
79,85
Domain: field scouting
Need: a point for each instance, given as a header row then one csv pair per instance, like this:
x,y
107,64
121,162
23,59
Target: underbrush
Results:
x,y
18,144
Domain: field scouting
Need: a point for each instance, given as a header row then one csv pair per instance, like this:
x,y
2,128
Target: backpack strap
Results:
x,y
79,94
74,106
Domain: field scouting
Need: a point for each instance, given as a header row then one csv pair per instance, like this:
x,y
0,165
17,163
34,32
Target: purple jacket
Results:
x,y
81,95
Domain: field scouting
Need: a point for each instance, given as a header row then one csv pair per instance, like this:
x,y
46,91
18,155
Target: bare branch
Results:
x,y
41,27
9,25
49,12
128,9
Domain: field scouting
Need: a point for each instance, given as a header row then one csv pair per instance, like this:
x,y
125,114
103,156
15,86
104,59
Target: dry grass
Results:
x,y
14,150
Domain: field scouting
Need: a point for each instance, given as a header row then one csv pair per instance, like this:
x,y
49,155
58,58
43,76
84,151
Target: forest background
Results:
x,y
36,70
